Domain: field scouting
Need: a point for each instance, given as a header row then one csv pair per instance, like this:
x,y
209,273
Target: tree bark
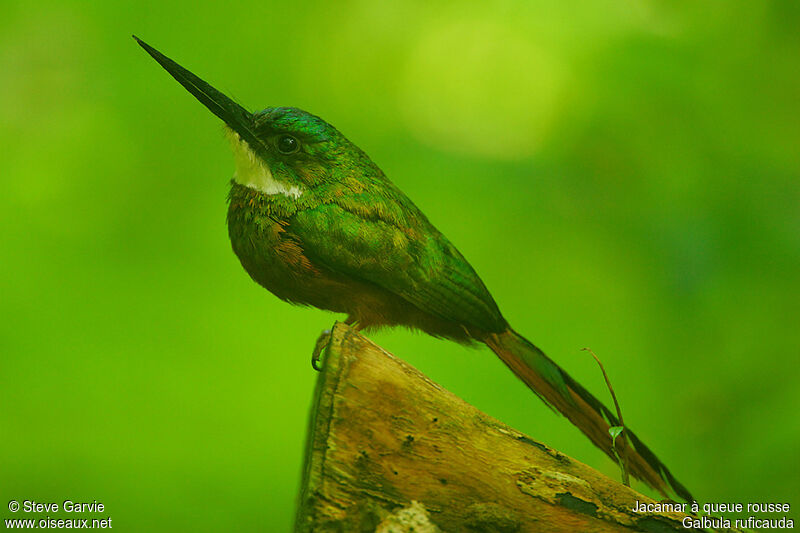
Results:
x,y
387,447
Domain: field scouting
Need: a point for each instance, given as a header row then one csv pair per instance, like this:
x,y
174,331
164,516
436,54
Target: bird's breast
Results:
x,y
257,227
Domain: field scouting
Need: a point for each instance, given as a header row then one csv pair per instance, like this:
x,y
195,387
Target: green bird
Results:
x,y
315,221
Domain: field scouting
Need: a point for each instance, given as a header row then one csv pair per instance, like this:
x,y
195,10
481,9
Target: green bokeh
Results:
x,y
624,176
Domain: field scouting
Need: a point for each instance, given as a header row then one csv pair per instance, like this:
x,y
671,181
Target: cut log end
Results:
x,y
388,448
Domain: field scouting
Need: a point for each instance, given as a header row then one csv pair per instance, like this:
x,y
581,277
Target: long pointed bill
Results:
x,y
235,116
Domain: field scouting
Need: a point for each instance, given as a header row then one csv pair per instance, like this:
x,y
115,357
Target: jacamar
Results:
x,y
315,221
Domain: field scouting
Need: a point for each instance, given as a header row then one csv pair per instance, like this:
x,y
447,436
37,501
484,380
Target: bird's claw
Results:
x,y
322,343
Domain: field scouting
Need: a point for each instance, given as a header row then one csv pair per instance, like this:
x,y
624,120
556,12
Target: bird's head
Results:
x,y
280,150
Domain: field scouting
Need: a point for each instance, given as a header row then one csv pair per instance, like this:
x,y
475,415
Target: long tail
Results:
x,y
558,390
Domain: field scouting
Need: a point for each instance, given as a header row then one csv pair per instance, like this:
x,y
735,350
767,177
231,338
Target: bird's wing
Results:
x,y
411,259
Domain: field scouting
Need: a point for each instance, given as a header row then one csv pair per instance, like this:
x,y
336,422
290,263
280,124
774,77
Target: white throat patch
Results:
x,y
252,172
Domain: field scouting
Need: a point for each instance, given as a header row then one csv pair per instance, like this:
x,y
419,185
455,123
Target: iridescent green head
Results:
x,y
280,150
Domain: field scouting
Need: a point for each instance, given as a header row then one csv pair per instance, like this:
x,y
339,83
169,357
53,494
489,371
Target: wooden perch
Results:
x,y
388,447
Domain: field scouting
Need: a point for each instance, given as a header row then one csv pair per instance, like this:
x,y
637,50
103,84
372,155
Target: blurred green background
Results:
x,y
623,175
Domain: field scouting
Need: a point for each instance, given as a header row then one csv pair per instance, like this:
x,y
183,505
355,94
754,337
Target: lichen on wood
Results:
x,y
384,438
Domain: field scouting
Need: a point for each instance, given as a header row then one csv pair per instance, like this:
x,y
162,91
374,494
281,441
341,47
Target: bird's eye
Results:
x,y
288,144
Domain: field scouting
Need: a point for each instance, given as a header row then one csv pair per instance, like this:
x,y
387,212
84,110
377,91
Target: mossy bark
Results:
x,y
384,438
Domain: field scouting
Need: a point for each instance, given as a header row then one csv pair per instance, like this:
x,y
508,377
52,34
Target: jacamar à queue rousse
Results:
x,y
314,220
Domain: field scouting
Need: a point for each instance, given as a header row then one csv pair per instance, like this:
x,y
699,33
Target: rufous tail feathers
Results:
x,y
565,395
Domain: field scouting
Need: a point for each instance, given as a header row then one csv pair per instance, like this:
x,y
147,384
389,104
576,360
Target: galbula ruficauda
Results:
x,y
315,221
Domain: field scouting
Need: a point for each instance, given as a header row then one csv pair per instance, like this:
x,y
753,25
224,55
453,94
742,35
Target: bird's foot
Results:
x,y
322,343
323,340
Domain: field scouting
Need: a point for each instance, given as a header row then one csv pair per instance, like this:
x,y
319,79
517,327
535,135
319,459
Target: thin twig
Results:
x,y
624,461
